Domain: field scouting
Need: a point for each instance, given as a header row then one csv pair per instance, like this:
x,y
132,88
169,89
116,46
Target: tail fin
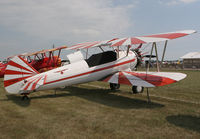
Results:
x,y
16,73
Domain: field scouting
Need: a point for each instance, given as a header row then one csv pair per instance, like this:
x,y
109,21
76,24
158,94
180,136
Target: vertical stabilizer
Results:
x,y
17,72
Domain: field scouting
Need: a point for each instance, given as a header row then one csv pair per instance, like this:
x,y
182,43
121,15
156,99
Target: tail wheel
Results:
x,y
114,86
137,89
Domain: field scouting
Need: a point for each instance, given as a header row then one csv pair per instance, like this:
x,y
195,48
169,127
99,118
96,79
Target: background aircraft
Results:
x,y
41,61
112,65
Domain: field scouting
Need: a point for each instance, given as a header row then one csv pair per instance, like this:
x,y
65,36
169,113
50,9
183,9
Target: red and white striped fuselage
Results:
x,y
79,72
74,73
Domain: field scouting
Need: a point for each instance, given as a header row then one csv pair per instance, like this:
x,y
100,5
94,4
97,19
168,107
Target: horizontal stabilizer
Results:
x,y
150,79
33,83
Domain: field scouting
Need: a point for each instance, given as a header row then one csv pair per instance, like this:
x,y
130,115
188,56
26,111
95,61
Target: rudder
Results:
x,y
17,71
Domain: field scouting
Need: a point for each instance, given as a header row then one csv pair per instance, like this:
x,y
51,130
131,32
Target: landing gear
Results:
x,y
148,98
137,89
114,86
25,97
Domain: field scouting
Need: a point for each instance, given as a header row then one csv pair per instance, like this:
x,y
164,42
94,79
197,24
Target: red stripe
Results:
x,y
169,36
153,79
45,79
18,66
28,65
119,64
119,43
86,45
113,40
123,79
29,82
13,81
136,41
107,79
35,83
80,44
12,72
92,45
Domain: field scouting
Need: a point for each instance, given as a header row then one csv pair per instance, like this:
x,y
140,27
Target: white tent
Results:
x,y
191,55
191,60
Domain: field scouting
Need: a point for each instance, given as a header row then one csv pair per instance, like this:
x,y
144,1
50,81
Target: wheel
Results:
x,y
114,86
137,89
25,97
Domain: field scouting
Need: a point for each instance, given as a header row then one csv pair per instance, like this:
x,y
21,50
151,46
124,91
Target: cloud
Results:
x,y
188,1
66,19
175,2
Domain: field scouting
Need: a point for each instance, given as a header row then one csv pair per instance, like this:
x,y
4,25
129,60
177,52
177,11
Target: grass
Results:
x,y
87,111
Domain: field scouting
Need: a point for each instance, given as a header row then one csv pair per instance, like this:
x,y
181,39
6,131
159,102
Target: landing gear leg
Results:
x,y
148,97
55,92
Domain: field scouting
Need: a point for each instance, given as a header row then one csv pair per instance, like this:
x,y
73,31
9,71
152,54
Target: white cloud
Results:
x,y
65,19
175,2
188,1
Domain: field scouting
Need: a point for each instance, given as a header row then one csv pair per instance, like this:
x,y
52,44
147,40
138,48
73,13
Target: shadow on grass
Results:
x,y
101,96
185,121
24,103
18,100
105,97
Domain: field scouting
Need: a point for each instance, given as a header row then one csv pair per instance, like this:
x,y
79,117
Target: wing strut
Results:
x,y
128,48
87,53
157,62
148,97
163,53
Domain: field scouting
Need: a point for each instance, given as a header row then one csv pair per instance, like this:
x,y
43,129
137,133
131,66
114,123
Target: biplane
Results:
x,y
41,61
3,66
113,65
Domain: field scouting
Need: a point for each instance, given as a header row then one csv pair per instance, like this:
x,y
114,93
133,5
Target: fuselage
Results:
x,y
96,67
80,72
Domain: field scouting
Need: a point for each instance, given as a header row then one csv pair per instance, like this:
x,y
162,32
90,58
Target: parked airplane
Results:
x,y
113,66
42,60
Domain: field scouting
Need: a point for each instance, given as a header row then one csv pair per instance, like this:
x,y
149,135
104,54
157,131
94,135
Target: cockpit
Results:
x,y
101,58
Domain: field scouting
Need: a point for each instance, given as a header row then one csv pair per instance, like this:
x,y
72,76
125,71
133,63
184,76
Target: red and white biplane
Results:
x,y
114,66
41,60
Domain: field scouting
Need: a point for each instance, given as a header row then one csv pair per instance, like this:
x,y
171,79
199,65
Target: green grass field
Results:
x,y
93,111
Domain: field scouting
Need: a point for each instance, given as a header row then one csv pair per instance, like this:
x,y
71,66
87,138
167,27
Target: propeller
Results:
x,y
139,55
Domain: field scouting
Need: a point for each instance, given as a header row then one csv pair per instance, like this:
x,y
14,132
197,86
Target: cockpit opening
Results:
x,y
101,58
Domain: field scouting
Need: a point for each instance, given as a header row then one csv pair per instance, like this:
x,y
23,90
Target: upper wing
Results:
x,y
44,51
134,40
91,44
152,38
150,79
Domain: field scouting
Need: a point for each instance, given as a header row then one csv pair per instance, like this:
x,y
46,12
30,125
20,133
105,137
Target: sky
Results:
x,y
33,25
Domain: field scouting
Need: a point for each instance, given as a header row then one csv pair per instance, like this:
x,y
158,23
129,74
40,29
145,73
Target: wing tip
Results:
x,y
181,76
188,31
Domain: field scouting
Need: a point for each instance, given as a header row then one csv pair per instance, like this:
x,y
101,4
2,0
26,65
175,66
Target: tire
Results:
x,y
137,89
114,86
25,98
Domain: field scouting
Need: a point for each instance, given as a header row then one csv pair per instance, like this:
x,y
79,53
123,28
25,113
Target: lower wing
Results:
x,y
149,79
